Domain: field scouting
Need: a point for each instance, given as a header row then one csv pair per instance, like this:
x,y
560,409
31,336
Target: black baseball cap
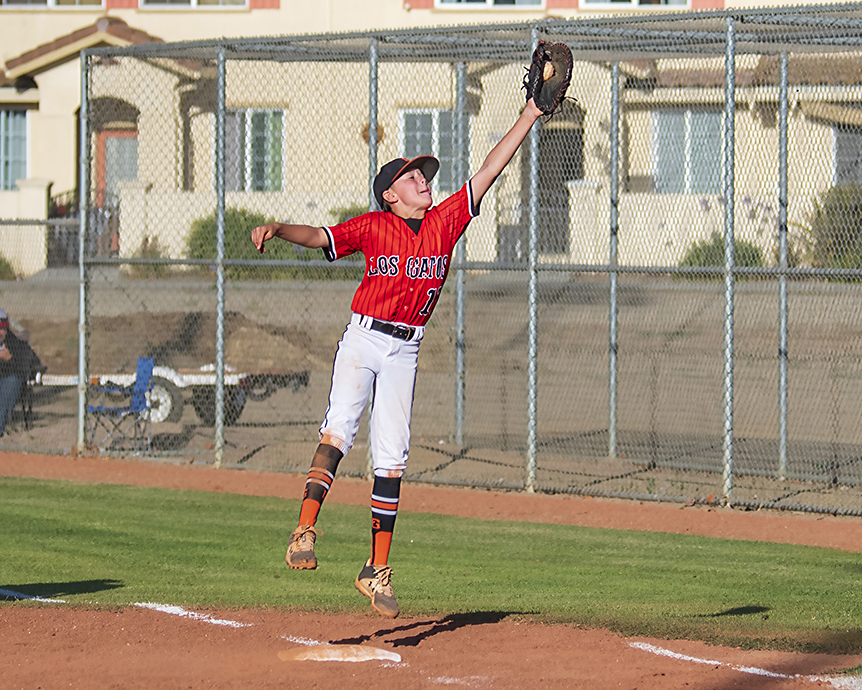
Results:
x,y
396,168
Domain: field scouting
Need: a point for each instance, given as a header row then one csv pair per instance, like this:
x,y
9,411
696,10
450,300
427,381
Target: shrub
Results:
x,y
238,226
711,253
833,238
6,270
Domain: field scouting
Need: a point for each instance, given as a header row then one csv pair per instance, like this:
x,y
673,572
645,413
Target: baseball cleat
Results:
x,y
300,550
375,582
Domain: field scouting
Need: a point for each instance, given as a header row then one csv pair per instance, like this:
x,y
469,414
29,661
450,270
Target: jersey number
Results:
x,y
433,294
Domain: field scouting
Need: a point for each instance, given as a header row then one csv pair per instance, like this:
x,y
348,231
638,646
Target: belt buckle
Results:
x,y
402,332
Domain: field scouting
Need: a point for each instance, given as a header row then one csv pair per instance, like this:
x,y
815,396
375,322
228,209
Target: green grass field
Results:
x,y
115,545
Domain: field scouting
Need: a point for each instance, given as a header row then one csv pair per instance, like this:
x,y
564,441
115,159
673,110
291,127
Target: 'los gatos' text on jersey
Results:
x,y
404,271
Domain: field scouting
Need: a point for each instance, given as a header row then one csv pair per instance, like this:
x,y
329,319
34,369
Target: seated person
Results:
x,y
17,360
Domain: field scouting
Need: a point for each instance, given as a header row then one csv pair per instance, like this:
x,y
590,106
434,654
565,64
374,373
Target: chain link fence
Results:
x,y
659,299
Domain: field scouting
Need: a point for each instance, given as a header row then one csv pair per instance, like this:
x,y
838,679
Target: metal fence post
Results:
x,y
83,271
373,83
372,120
460,248
782,263
614,240
220,211
532,326
729,156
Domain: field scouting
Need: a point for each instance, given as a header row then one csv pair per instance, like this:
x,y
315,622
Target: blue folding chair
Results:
x,y
127,426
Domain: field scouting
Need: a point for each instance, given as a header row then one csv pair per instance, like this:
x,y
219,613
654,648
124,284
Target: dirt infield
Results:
x,y
55,646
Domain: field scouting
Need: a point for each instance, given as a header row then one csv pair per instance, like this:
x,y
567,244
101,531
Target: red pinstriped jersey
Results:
x,y
404,271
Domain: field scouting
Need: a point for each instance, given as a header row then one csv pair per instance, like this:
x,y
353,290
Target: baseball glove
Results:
x,y
548,76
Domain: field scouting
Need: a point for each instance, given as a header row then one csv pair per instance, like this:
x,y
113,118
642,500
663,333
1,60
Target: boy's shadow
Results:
x,y
431,627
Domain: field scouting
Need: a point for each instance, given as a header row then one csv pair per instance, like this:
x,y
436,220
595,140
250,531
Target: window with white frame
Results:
x,y
687,151
489,3
13,147
620,4
432,133
194,3
254,150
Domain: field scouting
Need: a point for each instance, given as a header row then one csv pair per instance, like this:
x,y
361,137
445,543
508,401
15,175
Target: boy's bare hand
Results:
x,y
303,235
263,233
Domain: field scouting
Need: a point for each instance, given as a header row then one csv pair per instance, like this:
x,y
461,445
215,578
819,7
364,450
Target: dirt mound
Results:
x,y
177,340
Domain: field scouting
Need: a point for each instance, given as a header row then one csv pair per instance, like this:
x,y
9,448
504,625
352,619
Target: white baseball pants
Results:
x,y
367,361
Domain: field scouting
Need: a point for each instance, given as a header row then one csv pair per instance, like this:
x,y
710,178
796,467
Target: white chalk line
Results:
x,y
203,617
468,681
206,618
164,608
336,653
843,683
307,641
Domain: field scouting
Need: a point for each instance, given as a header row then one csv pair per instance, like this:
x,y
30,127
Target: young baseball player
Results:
x,y
407,247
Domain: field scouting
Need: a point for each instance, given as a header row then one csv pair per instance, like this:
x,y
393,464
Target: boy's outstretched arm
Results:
x,y
304,235
502,153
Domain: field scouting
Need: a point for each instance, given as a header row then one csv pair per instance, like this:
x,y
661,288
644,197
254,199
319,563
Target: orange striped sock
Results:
x,y
318,483
384,509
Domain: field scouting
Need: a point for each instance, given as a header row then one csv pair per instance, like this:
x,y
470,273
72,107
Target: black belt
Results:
x,y
396,331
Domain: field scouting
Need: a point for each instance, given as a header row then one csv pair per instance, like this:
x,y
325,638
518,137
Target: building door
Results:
x,y
116,161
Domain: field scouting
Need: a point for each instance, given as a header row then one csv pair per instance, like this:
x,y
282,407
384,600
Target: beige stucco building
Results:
x,y
171,137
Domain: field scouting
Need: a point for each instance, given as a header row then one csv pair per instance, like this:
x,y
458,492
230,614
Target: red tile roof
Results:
x,y
112,26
